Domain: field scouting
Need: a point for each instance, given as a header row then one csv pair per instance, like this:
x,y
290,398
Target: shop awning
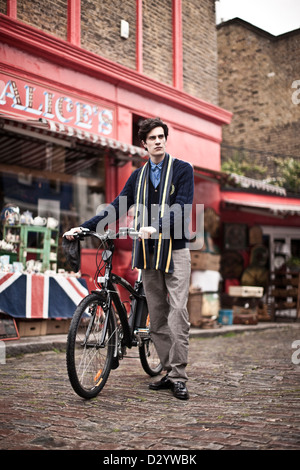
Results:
x,y
67,136
234,180
266,208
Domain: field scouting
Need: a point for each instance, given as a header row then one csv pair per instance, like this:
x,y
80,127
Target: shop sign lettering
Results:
x,y
31,100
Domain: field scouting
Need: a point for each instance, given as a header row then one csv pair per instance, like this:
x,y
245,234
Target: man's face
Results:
x,y
156,144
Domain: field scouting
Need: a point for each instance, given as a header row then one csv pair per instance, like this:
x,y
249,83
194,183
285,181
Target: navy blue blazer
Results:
x,y
180,201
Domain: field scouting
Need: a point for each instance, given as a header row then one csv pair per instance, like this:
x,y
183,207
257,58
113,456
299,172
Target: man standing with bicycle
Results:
x,y
162,193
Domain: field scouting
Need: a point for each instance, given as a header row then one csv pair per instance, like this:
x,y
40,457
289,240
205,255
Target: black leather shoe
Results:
x,y
163,383
180,391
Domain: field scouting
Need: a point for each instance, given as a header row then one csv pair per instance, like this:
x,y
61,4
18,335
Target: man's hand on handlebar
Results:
x,y
70,233
146,232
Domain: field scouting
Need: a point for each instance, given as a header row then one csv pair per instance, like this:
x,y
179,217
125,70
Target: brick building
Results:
x,y
257,75
100,34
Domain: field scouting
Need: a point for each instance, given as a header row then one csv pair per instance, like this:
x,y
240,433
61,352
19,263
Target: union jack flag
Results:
x,y
40,295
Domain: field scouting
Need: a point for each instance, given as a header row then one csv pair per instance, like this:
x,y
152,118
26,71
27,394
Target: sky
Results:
x,y
274,16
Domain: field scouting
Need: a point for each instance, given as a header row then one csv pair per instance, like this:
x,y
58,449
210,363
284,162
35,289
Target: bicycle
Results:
x,y
101,330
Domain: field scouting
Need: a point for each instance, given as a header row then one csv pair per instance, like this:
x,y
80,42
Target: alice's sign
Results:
x,y
35,101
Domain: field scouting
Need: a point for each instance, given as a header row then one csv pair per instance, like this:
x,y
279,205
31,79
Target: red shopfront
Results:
x,y
68,129
277,217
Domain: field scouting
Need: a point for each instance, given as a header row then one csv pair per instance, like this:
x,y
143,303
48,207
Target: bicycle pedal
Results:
x,y
142,333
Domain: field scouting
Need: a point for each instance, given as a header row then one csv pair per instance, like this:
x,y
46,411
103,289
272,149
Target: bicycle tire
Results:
x,y
88,364
147,352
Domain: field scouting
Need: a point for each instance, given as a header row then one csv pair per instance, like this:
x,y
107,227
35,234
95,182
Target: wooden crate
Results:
x,y
32,327
56,327
204,261
246,291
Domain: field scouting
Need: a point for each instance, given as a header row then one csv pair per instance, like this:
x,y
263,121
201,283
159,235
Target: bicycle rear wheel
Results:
x,y
89,355
147,351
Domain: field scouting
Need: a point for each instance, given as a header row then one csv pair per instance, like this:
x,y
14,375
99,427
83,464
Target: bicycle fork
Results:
x,y
108,311
105,306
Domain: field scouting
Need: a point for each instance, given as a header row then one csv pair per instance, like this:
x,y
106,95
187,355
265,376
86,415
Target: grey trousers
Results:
x,y
167,296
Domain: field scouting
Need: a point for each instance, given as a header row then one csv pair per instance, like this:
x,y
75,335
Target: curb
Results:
x,y
236,329
34,344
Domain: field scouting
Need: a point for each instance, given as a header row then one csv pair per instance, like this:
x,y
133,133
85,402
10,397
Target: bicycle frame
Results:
x,y
138,305
139,300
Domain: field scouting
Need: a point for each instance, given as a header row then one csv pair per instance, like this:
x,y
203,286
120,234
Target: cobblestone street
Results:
x,y
244,394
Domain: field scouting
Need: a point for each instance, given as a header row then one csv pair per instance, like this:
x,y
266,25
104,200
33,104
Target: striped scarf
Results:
x,y
163,246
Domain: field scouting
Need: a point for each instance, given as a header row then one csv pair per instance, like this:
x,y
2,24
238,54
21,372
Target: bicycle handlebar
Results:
x,y
108,235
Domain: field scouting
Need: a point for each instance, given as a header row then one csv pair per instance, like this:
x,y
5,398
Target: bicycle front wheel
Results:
x,y
147,351
90,346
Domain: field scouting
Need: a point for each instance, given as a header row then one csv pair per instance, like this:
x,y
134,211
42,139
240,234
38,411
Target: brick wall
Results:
x,y
100,34
100,29
200,62
157,40
48,15
3,6
256,72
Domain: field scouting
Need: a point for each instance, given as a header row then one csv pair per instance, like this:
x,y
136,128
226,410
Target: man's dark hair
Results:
x,y
148,124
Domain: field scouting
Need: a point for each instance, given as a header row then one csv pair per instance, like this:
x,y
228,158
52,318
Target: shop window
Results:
x,y
50,180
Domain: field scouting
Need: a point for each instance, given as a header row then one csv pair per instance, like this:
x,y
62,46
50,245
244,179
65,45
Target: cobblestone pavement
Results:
x,y
244,394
